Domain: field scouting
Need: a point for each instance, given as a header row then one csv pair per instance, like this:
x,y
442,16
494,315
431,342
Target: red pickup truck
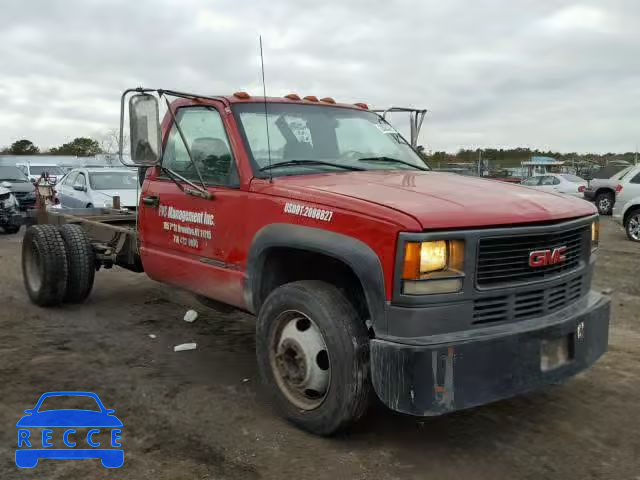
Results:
x,y
367,271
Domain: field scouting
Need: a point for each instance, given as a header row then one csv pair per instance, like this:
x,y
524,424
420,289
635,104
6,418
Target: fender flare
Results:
x,y
354,253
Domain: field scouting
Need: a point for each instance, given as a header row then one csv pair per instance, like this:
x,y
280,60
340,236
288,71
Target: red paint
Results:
x,y
372,206
543,258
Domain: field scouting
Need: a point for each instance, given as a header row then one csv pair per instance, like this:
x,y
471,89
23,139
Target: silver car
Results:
x,y
627,207
96,187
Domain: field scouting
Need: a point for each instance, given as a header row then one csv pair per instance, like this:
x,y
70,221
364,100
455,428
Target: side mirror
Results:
x,y
33,180
80,188
29,410
144,120
6,184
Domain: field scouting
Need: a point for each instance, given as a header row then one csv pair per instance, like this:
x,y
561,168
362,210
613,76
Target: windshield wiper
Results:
x,y
391,160
289,163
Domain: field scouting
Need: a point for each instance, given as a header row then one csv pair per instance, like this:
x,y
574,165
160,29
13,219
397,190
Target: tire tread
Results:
x,y
80,261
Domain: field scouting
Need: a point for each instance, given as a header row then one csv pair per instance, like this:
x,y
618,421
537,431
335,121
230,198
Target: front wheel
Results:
x,y
632,226
313,356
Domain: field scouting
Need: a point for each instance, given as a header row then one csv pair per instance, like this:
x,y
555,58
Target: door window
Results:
x,y
531,181
635,179
547,181
70,179
80,180
207,139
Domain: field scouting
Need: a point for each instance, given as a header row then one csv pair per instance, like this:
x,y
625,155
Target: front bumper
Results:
x,y
442,373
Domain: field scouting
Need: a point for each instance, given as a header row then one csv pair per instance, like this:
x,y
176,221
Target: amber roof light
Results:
x,y
327,100
243,95
292,96
362,105
311,98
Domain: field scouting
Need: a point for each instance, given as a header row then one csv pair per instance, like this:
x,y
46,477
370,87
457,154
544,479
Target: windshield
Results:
x,y
113,180
12,173
572,178
50,169
352,139
626,172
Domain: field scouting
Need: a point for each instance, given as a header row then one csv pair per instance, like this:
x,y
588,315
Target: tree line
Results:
x,y
79,147
512,157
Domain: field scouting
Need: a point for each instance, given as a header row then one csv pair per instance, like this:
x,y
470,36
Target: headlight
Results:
x,y
595,234
433,267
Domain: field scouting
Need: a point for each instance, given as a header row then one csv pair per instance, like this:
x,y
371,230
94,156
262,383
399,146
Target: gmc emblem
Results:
x,y
542,258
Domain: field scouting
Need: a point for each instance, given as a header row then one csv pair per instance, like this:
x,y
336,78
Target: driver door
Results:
x,y
187,240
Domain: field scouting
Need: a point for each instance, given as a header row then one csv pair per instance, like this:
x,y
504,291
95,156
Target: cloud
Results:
x,y
559,75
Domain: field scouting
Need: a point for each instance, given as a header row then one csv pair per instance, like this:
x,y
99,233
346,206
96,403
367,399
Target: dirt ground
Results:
x,y
200,414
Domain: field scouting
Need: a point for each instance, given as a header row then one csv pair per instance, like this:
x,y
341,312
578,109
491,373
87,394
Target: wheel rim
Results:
x,y
300,360
604,204
33,268
634,227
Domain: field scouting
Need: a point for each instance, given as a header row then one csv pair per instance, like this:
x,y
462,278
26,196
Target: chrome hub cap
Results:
x,y
604,204
300,360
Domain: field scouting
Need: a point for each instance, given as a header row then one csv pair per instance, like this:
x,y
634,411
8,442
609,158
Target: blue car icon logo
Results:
x,y
99,420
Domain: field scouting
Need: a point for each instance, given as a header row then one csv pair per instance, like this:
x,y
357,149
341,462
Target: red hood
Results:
x,y
443,200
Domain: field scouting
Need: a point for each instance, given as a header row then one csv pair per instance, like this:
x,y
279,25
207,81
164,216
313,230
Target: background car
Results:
x,y
96,187
602,188
627,205
35,170
10,219
21,186
558,182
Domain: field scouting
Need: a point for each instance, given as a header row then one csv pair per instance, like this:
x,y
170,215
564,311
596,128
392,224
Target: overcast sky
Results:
x,y
545,74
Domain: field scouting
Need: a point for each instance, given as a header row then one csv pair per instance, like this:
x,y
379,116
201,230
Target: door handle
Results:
x,y
151,200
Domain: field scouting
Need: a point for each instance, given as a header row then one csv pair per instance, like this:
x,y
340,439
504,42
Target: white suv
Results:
x,y
627,207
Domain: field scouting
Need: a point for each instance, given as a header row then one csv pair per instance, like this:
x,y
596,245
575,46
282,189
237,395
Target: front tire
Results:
x,y
44,265
632,225
604,202
313,356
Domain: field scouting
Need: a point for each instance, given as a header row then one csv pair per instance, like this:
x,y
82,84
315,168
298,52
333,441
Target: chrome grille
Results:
x,y
528,304
505,260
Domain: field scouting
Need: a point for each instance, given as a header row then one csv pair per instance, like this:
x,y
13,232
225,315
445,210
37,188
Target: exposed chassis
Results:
x,y
113,233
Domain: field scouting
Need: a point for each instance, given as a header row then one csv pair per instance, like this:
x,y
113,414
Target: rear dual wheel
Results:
x,y
58,264
313,356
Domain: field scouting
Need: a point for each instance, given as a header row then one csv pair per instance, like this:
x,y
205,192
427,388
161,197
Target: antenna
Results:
x,y
266,118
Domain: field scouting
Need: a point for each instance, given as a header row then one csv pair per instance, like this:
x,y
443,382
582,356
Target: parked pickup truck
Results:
x,y
366,270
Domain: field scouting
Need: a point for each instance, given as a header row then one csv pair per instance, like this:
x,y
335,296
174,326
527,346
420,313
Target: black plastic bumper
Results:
x,y
443,373
589,195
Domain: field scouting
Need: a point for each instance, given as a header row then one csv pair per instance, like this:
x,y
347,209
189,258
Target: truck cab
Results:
x,y
366,270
